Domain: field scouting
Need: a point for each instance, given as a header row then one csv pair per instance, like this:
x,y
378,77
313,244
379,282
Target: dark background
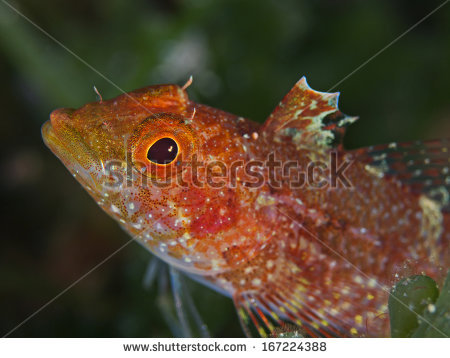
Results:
x,y
244,55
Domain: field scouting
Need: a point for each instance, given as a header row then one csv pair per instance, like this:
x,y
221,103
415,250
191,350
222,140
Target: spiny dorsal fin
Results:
x,y
310,117
423,166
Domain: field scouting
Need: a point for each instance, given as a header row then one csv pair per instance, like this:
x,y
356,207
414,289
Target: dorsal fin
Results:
x,y
310,117
422,166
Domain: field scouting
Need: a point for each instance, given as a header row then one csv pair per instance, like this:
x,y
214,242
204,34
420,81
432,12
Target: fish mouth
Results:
x,y
70,148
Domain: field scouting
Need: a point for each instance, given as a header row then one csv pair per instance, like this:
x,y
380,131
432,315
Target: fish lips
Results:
x,y
68,145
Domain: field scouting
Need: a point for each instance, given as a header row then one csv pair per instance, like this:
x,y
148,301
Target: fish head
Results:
x,y
141,157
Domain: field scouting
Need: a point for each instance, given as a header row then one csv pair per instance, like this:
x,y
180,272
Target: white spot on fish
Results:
x,y
162,247
148,236
115,209
256,282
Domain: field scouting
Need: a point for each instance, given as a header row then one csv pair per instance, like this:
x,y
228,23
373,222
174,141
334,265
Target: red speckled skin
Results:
x,y
323,259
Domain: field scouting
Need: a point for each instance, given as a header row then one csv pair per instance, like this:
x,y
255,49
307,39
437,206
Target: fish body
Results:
x,y
278,216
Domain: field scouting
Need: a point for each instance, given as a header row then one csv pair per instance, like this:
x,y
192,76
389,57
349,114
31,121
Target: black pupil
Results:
x,y
163,151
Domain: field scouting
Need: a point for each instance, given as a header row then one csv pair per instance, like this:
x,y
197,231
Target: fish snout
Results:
x,y
60,117
69,146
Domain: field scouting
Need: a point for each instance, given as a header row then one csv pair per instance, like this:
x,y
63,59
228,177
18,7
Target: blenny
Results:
x,y
280,217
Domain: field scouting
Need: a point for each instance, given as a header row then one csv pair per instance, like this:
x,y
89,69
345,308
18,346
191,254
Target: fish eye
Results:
x,y
160,143
163,151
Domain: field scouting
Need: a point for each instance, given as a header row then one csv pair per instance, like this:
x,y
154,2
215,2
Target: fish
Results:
x,y
298,231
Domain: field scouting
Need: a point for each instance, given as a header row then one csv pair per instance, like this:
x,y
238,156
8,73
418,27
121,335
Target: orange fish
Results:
x,y
281,218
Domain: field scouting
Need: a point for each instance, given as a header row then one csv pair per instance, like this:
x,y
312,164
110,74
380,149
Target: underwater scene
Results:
x,y
225,169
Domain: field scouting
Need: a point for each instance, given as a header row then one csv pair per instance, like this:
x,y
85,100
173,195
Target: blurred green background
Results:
x,y
244,56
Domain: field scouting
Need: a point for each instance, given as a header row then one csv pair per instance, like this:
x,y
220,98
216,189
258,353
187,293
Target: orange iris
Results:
x,y
160,144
